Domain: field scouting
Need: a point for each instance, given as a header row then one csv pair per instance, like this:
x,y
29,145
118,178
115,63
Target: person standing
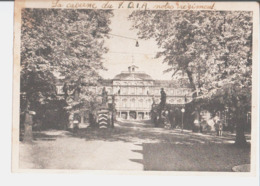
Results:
x,y
196,121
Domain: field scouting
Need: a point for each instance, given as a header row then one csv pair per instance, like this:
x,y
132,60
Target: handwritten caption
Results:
x,y
134,5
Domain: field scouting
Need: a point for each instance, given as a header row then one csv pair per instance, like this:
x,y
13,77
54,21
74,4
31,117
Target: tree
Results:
x,y
229,76
176,33
61,44
214,49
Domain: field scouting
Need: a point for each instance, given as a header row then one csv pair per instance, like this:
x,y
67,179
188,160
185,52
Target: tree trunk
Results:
x,y
28,133
240,135
189,74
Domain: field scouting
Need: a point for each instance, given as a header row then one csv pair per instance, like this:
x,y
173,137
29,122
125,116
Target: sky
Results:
x,y
123,52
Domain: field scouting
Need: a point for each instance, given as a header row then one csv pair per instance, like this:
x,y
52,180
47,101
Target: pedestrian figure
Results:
x,y
196,121
220,128
157,121
218,125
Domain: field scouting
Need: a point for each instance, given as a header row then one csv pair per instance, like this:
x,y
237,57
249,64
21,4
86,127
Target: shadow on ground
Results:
x,y
161,149
41,136
143,131
198,157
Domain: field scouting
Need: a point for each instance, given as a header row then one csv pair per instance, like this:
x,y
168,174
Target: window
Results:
x,y
132,103
141,102
148,103
157,91
124,103
124,90
132,90
140,90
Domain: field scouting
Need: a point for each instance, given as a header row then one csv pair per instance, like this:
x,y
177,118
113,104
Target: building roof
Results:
x,y
171,84
132,76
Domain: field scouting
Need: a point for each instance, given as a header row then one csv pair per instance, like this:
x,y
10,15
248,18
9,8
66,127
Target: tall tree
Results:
x,y
214,49
229,76
61,44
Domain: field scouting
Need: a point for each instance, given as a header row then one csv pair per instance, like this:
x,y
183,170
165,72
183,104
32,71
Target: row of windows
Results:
x,y
135,83
147,91
141,103
172,92
134,91
172,101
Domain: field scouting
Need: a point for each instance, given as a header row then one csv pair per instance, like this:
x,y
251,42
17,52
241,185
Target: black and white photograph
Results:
x,y
135,86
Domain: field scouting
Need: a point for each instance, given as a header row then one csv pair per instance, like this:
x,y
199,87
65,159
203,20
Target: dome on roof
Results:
x,y
133,76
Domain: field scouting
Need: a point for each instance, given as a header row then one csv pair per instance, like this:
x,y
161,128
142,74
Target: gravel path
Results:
x,y
132,145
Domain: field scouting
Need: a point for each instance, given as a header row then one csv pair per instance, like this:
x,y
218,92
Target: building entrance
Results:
x,y
140,115
124,115
132,114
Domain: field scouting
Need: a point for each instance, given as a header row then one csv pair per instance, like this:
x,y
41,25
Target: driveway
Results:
x,y
133,145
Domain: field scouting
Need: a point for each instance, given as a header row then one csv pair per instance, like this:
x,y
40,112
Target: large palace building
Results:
x,y
136,91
